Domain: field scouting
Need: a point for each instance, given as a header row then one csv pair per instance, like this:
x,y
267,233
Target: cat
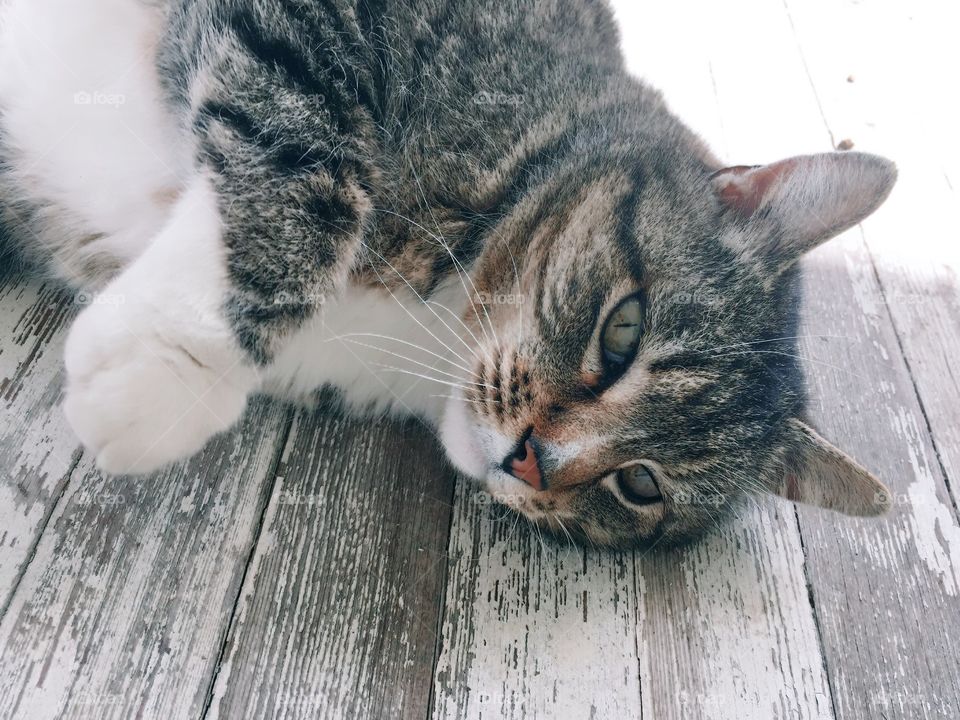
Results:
x,y
464,210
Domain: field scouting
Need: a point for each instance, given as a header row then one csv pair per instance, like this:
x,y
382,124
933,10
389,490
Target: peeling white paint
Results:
x,y
936,535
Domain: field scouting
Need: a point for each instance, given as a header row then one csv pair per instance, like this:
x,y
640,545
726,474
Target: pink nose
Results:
x,y
524,466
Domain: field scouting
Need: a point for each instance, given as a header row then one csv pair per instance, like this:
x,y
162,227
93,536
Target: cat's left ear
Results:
x,y
817,473
791,206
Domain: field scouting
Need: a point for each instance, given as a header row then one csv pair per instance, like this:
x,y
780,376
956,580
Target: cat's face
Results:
x,y
636,339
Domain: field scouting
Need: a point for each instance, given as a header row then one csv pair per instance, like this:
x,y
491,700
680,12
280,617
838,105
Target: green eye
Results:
x,y
621,334
637,484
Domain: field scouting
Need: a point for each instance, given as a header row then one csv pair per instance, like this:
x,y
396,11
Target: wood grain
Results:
x,y
340,609
123,609
727,629
915,244
885,591
37,449
533,630
914,669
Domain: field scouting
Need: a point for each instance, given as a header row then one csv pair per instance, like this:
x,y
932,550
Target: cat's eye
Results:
x,y
637,484
622,331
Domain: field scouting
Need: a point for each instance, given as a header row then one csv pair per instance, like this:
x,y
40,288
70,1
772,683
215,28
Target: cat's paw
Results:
x,y
145,388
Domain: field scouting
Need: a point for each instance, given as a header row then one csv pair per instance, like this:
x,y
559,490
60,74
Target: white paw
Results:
x,y
149,384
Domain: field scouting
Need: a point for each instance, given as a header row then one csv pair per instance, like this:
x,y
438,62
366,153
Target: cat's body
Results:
x,y
430,205
111,183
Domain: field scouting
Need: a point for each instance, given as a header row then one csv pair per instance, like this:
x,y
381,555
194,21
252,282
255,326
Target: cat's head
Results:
x,y
636,329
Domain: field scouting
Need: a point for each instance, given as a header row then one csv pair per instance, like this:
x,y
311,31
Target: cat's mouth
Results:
x,y
478,452
461,440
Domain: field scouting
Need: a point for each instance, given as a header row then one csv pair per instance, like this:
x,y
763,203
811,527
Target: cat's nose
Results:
x,y
524,465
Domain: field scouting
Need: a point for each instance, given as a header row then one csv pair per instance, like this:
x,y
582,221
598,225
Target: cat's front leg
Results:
x,y
167,355
153,365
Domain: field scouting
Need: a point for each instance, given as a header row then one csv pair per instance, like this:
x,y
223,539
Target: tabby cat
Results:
x,y
465,210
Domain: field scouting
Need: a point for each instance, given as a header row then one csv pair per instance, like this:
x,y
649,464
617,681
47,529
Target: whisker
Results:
x,y
753,486
438,501
458,397
516,524
404,357
400,275
391,368
788,337
536,532
349,337
465,326
446,247
456,264
796,357
516,276
556,517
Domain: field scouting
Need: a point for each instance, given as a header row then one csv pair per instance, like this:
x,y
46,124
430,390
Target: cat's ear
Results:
x,y
817,473
791,206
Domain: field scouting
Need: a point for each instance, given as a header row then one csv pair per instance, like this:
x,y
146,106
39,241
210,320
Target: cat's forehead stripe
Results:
x,y
626,236
573,271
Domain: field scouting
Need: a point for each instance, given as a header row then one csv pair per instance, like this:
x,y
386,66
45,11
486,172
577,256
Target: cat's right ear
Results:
x,y
817,473
782,210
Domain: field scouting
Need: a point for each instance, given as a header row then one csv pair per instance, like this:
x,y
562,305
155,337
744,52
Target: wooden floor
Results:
x,y
312,566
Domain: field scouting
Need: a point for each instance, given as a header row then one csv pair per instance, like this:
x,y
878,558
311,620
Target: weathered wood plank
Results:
x,y
533,630
339,613
727,628
37,449
887,611
123,609
885,592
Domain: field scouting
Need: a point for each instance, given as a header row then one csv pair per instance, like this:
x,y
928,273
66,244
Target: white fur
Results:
x,y
352,336
81,108
474,447
153,371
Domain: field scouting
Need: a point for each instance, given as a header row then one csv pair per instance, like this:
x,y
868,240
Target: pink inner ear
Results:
x,y
743,188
